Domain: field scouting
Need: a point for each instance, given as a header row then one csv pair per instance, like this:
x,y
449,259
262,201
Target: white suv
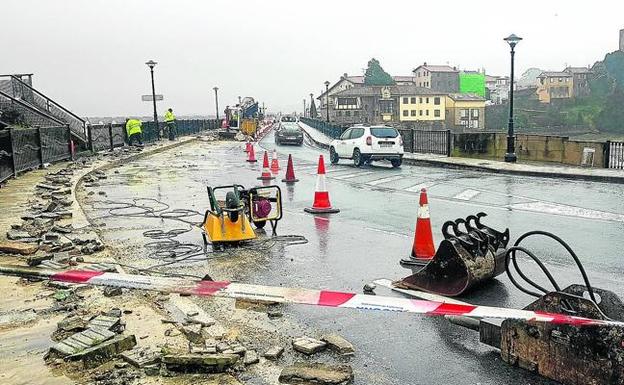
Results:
x,y
364,144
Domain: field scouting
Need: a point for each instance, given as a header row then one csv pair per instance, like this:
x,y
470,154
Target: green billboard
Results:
x,y
472,83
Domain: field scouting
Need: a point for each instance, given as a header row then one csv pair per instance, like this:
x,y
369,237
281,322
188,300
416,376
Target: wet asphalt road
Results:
x,y
374,230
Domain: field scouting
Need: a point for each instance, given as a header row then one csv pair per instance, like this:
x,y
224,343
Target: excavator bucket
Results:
x,y
463,259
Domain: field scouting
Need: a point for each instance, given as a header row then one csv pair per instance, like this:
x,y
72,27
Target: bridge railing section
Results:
x,y
25,148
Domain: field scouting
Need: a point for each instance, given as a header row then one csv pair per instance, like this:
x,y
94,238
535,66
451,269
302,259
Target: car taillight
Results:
x,y
369,140
400,141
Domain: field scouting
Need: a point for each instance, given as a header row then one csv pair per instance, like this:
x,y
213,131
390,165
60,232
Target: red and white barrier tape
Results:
x,y
295,295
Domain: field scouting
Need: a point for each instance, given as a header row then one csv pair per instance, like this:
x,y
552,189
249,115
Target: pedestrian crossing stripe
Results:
x,y
467,195
384,180
353,175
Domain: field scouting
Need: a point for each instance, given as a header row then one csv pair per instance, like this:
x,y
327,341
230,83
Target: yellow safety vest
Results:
x,y
133,126
169,117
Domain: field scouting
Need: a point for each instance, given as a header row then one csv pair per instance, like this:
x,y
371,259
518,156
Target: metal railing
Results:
x,y
24,91
331,130
23,149
615,155
32,115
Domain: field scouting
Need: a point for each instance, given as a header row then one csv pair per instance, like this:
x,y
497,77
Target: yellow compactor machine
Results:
x,y
228,221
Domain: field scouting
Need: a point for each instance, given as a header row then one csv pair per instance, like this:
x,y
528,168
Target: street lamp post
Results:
x,y
304,108
151,64
216,89
327,99
312,102
510,156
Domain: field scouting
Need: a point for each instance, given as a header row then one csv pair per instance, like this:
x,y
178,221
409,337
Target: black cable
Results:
x,y
510,255
166,248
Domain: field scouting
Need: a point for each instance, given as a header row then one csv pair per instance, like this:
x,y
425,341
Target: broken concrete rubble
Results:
x,y
199,363
141,357
81,341
18,248
273,353
338,344
316,373
308,345
105,351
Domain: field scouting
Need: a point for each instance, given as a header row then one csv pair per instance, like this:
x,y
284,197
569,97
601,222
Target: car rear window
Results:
x,y
288,119
384,132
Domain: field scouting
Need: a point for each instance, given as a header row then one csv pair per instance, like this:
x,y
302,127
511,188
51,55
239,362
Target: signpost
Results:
x,y
150,98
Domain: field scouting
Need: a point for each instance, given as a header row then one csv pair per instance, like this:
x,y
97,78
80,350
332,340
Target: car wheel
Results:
x,y
333,156
396,162
358,159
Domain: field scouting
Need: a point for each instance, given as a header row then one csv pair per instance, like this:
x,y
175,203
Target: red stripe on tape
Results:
x,y
209,287
564,319
452,309
334,298
75,276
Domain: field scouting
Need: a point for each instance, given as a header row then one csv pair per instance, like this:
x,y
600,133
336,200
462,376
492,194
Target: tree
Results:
x,y
611,118
376,76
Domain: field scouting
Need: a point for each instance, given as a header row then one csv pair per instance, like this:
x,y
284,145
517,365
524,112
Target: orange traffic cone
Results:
x,y
321,203
290,172
251,155
275,163
423,249
266,173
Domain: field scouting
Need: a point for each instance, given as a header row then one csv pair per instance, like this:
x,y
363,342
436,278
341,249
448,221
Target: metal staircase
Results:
x,y
16,92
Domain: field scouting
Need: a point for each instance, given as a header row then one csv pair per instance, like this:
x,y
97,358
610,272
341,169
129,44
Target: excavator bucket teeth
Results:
x,y
463,259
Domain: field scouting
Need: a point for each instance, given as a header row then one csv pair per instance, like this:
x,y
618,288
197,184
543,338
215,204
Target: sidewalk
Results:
x,y
541,170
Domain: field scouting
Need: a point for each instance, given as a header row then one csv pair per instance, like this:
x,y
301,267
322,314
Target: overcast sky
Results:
x,y
90,55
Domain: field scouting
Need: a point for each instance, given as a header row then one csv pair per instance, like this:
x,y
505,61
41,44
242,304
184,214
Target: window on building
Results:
x,y
420,100
463,113
427,100
427,112
420,112
436,113
347,103
386,106
436,100
413,100
413,112
356,113
475,113
405,100
338,113
347,113
405,112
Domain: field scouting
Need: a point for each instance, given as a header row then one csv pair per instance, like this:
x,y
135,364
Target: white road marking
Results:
x,y
467,195
384,180
353,175
571,211
387,232
420,186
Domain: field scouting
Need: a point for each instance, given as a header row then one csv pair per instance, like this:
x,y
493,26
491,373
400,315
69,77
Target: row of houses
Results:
x,y
430,98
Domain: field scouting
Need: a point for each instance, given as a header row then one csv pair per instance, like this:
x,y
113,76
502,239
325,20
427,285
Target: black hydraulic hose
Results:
x,y
510,255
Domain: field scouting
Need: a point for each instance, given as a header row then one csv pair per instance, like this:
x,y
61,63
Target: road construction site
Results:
x,y
144,216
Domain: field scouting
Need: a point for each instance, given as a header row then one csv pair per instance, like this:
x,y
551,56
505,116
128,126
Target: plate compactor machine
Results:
x,y
229,219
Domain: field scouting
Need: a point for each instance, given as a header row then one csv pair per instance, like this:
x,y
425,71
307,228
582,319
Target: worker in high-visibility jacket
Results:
x,y
134,129
170,123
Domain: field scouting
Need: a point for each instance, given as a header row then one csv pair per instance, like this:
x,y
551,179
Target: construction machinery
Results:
x,y
234,208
